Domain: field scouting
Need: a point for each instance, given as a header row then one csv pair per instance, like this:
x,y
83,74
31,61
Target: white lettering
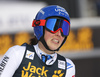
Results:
x,y
61,10
42,11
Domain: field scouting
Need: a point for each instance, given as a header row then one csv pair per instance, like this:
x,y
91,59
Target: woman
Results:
x,y
39,59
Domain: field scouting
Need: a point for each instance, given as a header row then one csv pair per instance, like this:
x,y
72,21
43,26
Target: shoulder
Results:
x,y
16,49
16,52
69,63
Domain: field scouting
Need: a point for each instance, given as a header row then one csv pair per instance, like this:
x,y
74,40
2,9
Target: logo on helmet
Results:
x,y
41,11
37,22
61,10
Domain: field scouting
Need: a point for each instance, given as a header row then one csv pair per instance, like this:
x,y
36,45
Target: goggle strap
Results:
x,y
42,23
38,23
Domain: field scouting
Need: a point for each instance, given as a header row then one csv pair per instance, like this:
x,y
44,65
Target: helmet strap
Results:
x,y
45,44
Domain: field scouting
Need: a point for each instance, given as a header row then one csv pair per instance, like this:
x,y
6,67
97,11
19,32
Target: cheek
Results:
x,y
47,35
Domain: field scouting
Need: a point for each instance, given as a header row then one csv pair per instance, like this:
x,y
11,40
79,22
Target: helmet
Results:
x,y
49,11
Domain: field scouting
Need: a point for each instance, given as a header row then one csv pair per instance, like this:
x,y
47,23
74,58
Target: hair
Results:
x,y
33,41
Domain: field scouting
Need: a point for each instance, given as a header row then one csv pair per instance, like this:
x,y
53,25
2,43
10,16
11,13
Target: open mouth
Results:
x,y
55,41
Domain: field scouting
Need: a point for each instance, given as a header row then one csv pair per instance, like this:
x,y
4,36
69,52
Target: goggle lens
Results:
x,y
54,25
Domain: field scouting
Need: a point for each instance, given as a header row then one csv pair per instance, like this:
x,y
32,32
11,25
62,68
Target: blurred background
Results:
x,y
83,42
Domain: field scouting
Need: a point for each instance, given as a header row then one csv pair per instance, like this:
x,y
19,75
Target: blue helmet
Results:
x,y
49,11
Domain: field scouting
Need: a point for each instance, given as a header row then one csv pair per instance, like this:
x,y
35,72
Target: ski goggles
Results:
x,y
53,25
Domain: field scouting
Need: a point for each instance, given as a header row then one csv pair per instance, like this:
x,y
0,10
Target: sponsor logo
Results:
x,y
41,72
61,10
29,55
58,73
69,65
3,63
33,69
61,64
37,22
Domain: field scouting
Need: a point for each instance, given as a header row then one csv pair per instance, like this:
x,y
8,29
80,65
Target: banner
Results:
x,y
17,16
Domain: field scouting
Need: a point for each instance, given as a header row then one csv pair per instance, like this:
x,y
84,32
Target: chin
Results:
x,y
53,48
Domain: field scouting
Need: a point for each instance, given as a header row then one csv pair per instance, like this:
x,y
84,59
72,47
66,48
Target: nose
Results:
x,y
58,33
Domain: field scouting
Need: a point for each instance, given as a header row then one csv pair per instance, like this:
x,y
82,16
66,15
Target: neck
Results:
x,y
41,46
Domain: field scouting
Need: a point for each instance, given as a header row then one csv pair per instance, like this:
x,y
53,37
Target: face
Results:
x,y
53,40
